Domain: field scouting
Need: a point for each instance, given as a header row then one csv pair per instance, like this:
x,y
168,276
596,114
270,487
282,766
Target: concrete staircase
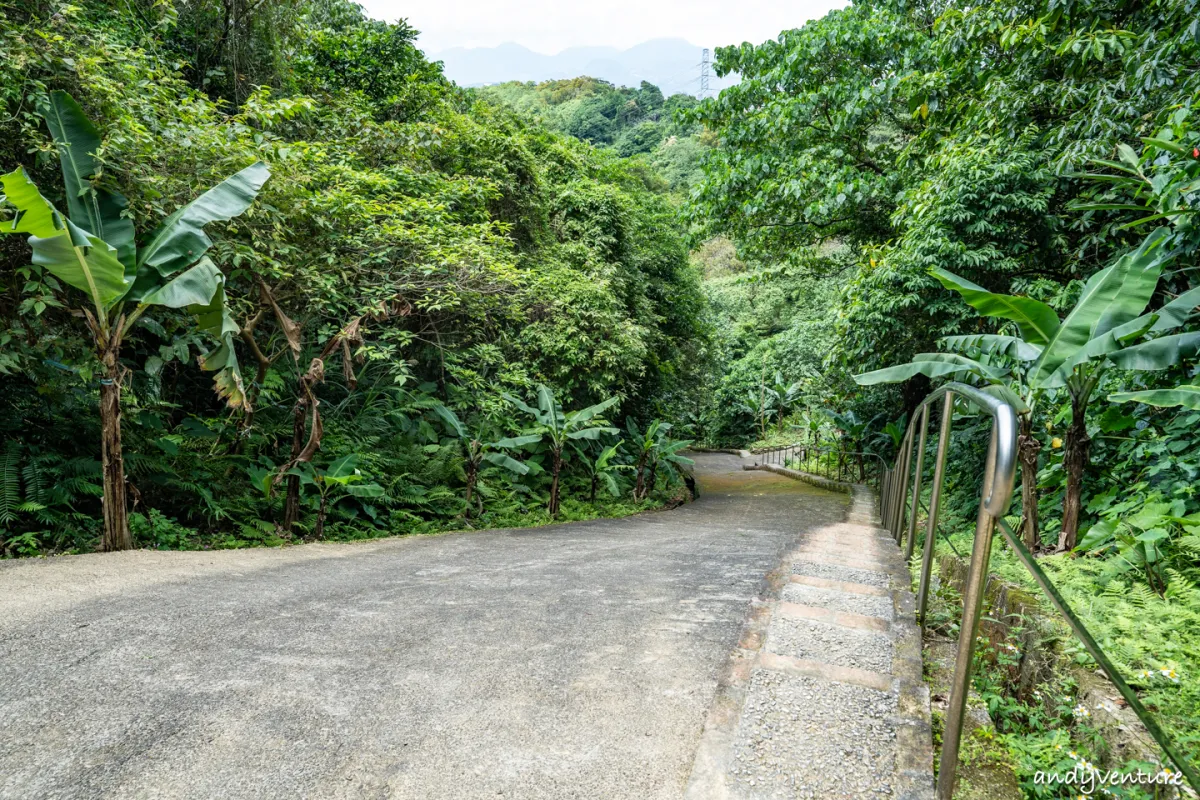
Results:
x,y
824,696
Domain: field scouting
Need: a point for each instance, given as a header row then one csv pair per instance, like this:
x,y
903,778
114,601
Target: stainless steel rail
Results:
x,y
829,461
999,476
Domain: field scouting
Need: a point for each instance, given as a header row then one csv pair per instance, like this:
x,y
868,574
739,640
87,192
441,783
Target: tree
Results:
x,y
601,468
94,250
343,475
555,428
785,396
475,451
653,447
1106,327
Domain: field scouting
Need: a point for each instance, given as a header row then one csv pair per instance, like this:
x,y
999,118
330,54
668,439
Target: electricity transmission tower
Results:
x,y
704,74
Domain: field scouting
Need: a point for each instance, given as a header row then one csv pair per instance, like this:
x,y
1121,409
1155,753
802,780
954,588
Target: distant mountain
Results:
x,y
673,65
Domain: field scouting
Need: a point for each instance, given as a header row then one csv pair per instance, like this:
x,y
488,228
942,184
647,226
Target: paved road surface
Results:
x,y
574,661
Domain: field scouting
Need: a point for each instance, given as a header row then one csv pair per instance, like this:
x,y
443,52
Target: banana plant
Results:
x,y
1179,396
785,396
476,451
655,446
1141,541
1107,327
94,249
341,477
555,428
601,468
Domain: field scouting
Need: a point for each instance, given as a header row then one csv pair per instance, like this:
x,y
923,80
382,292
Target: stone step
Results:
x,y
838,572
804,737
838,600
830,643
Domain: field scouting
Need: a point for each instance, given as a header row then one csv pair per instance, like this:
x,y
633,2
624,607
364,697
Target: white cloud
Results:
x,y
549,26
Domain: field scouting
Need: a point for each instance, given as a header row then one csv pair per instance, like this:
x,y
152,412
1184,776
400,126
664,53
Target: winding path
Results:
x,y
573,661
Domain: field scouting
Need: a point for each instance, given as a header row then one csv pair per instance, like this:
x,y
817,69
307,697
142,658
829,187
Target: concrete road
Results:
x,y
573,661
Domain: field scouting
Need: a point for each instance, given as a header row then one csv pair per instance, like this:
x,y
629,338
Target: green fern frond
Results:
x,y
10,482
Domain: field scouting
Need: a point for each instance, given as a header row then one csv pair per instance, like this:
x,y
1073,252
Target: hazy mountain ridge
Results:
x,y
670,64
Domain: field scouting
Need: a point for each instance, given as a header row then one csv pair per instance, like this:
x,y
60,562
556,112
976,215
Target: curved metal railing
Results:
x,y
829,461
899,515
999,476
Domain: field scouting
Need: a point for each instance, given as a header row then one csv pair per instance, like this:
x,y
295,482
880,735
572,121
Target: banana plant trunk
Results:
x,y
472,476
319,531
557,467
1076,453
291,503
640,485
648,489
116,511
1027,451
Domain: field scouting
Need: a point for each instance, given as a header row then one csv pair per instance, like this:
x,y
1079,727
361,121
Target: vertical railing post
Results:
x,y
883,496
935,499
916,498
901,485
972,606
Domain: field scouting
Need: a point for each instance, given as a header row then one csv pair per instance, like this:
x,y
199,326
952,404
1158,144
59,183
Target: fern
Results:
x,y
10,482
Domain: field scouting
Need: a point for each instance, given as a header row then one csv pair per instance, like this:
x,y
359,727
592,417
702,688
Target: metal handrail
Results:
x,y
999,478
779,455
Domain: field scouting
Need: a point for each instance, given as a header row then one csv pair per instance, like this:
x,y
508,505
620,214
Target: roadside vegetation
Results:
x,y
1003,194
403,308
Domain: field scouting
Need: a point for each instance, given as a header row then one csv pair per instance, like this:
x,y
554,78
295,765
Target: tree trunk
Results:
x,y
116,511
640,485
1076,453
553,508
320,529
1027,449
471,477
595,480
653,481
291,503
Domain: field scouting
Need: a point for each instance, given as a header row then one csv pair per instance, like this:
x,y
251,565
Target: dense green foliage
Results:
x,y
632,121
414,247
894,175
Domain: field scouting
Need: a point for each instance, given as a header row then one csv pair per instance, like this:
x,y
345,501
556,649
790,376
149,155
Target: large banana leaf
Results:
x,y
989,344
84,261
181,239
931,365
196,287
452,421
1112,297
1185,396
1100,346
1177,312
35,215
506,461
214,318
968,364
583,415
591,433
1140,271
1037,321
902,372
518,441
1160,353
97,209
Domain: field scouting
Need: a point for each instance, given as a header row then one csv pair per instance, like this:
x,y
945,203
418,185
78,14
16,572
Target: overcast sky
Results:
x,y
549,26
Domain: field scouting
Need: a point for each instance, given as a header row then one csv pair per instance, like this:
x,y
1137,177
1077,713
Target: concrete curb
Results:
x,y
815,480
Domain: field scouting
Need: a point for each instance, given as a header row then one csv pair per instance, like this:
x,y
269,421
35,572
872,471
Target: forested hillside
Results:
x,y
632,121
1004,194
387,271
